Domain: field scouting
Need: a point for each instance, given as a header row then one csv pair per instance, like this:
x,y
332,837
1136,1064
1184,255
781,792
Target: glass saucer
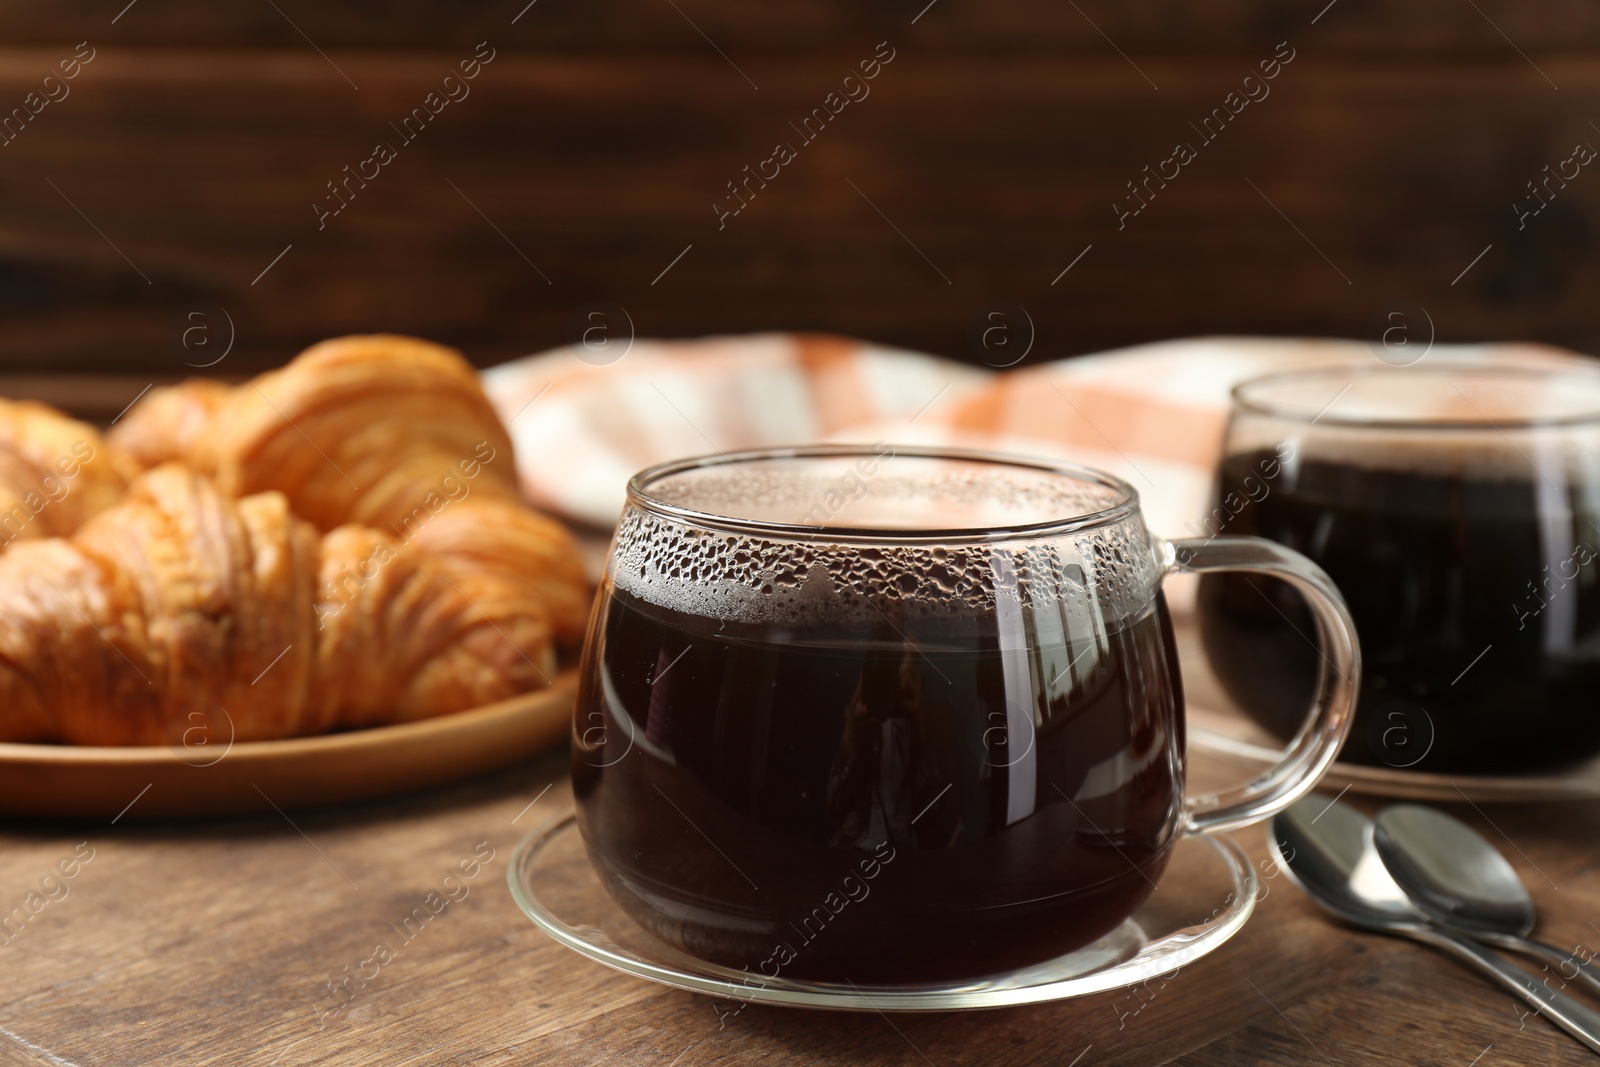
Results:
x,y
1230,736
1205,896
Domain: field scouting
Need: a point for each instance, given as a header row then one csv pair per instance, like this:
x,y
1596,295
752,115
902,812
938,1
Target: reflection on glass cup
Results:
x,y
1455,505
890,715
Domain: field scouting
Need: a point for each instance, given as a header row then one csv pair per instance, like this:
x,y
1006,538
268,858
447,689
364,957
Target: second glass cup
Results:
x,y
1457,507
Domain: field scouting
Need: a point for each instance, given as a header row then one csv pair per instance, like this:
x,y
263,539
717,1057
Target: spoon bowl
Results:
x,y
1463,883
1326,850
1452,873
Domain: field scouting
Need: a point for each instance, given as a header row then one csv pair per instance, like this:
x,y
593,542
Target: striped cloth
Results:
x,y
1153,414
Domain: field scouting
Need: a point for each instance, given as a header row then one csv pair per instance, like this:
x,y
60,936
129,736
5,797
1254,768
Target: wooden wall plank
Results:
x,y
201,167
1182,26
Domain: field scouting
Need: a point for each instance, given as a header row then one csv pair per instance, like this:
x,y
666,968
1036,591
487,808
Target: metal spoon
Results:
x,y
1327,849
1463,883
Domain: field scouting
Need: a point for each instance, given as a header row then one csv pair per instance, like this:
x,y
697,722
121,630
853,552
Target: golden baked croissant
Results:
x,y
418,637
362,429
519,546
55,472
389,432
171,423
356,429
180,603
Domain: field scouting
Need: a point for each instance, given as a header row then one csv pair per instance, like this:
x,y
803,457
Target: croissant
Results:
x,y
180,605
171,423
360,429
519,546
417,637
55,472
388,432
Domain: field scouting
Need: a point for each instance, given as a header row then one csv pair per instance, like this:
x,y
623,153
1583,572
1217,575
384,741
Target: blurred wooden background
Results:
x,y
187,156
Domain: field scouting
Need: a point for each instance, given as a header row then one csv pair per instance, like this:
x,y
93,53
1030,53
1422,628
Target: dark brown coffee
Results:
x,y
1476,597
892,792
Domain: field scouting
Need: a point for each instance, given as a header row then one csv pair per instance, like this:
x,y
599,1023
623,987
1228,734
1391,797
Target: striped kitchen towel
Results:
x,y
1153,414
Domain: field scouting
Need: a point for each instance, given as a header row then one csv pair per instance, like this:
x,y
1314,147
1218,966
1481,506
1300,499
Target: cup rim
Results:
x,y
1126,505
1255,405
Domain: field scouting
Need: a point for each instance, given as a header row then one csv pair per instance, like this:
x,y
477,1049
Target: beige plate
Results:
x,y
140,784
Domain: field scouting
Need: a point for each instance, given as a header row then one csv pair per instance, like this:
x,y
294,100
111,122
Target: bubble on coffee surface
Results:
x,y
1461,422
1554,454
800,578
884,491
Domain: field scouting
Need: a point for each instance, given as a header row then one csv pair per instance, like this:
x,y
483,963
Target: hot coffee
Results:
x,y
870,797
1467,555
893,752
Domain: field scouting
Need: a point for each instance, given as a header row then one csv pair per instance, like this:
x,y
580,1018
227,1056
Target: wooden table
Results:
x,y
214,943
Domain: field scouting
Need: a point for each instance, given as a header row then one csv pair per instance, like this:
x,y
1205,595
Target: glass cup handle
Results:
x,y
1327,723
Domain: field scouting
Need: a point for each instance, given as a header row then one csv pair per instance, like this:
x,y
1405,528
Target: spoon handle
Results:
x,y
1549,954
1581,1022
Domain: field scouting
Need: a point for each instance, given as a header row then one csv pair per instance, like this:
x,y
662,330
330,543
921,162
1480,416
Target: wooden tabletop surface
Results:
x,y
215,943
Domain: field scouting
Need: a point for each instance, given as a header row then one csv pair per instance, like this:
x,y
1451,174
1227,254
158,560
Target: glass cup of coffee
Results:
x,y
1455,504
892,715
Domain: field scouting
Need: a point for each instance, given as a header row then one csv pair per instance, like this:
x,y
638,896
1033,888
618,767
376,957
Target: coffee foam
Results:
x,y
883,490
1108,574
1560,455
1481,416
1450,392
